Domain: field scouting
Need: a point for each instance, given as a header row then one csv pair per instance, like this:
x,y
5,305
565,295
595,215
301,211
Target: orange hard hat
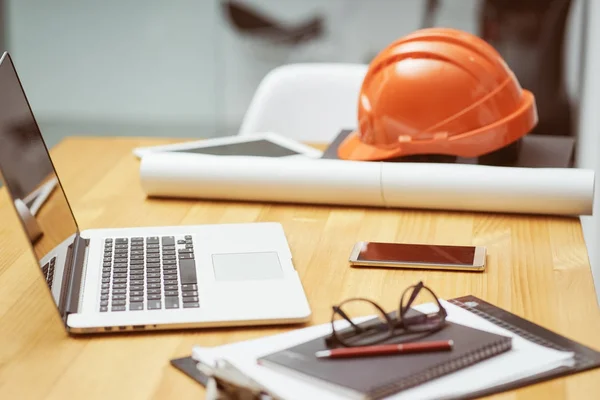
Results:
x,y
438,91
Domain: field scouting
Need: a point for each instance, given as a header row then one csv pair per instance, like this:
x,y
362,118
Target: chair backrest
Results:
x,y
306,102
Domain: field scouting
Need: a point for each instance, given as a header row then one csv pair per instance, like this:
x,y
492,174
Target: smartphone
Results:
x,y
411,255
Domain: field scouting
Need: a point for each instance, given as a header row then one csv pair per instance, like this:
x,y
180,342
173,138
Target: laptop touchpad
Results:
x,y
247,266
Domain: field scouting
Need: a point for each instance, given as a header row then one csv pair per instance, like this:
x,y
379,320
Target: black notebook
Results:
x,y
378,377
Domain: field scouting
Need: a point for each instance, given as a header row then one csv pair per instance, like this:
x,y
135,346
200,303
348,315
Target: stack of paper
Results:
x,y
524,359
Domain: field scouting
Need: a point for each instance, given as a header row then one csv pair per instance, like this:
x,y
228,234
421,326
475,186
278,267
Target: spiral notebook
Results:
x,y
378,377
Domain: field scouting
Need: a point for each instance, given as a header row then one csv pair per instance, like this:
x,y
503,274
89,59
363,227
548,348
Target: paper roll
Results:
x,y
559,191
261,179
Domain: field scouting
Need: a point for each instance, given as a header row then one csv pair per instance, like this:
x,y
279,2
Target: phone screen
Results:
x,y
262,148
417,253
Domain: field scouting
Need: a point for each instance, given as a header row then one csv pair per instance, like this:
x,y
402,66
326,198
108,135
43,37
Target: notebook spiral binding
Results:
x,y
579,359
442,369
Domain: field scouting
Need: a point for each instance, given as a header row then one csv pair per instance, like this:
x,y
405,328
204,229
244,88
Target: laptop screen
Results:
x,y
31,181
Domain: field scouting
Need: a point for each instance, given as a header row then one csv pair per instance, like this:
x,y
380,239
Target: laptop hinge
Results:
x,y
74,265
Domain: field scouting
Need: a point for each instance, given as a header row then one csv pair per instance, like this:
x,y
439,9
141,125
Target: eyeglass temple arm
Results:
x,y
414,294
345,316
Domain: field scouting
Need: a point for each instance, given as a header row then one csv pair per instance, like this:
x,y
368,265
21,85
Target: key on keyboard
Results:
x,y
48,271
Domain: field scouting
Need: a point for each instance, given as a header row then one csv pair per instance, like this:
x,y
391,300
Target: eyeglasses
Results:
x,y
403,325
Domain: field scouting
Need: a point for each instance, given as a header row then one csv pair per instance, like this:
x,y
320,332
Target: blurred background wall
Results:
x,y
182,68
189,68
117,67
588,129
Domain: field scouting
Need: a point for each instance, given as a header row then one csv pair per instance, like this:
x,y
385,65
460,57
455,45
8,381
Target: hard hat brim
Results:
x,y
469,144
352,148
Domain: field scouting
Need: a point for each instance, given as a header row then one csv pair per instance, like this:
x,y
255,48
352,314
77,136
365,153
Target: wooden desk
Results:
x,y
537,268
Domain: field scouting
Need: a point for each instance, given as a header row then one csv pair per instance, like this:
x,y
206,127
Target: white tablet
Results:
x,y
259,144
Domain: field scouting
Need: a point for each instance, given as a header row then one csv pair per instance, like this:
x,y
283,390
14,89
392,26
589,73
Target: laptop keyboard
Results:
x,y
48,270
148,273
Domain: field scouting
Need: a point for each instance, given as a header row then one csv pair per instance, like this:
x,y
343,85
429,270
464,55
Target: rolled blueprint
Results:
x,y
558,191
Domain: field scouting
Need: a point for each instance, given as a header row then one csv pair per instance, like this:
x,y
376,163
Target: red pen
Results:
x,y
386,349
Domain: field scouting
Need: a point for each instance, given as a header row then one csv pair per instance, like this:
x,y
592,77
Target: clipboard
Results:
x,y
586,358
189,367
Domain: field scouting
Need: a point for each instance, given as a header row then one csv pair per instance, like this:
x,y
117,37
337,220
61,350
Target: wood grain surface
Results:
x,y
537,268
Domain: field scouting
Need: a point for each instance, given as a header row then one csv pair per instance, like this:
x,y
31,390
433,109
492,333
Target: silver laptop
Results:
x,y
107,280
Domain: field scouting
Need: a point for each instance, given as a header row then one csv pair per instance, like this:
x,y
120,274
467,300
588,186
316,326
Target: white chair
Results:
x,y
306,102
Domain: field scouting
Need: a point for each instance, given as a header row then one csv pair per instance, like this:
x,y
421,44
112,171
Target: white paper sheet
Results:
x,y
524,359
558,191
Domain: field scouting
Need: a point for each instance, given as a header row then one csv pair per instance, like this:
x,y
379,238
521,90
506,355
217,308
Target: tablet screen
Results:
x,y
262,148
